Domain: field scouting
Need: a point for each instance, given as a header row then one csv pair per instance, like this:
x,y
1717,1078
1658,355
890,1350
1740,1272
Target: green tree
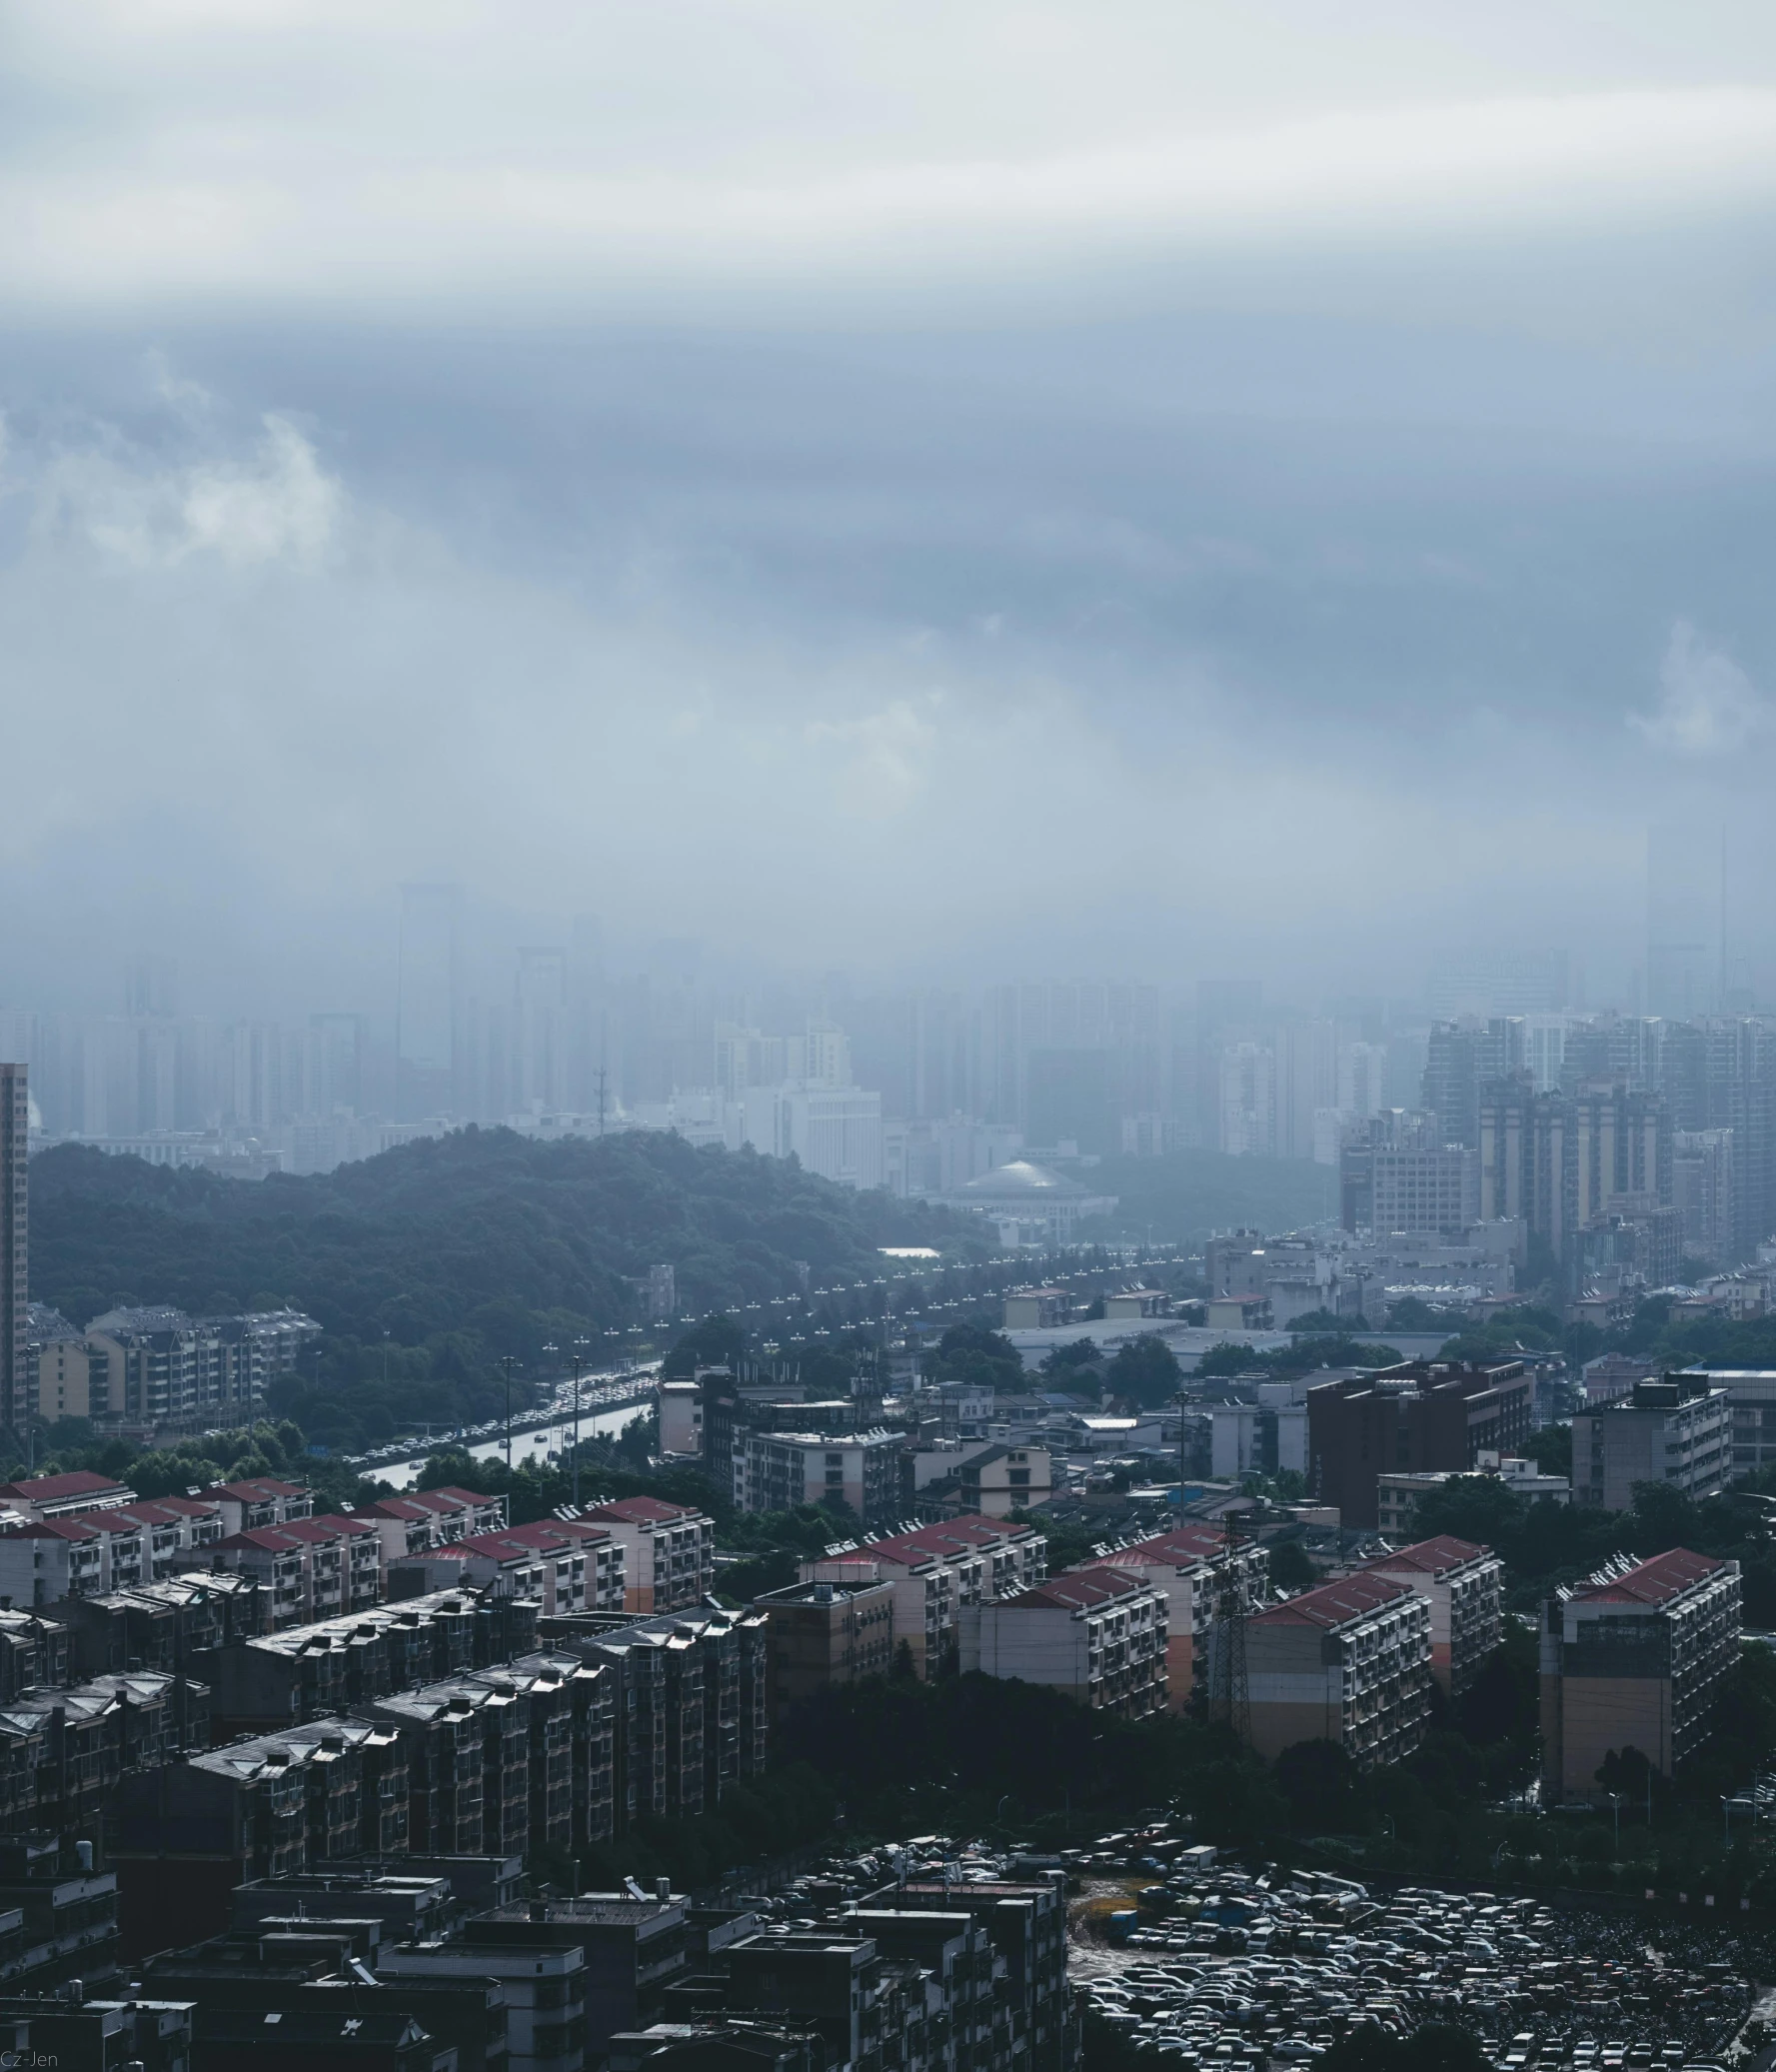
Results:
x,y
1145,1370
988,1359
1290,1568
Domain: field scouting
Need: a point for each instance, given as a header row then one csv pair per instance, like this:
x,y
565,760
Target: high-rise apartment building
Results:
x,y
428,1001
1685,919
17,1368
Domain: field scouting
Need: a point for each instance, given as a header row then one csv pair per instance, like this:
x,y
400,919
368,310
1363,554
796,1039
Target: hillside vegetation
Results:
x,y
461,1249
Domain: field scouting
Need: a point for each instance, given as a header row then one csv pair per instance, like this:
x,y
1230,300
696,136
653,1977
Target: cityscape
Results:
x,y
888,1037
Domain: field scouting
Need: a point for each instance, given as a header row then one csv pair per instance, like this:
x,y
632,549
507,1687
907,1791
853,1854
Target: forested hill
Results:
x,y
461,1247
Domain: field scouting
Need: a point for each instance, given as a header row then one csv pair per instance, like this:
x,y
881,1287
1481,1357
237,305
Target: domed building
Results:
x,y
1031,1204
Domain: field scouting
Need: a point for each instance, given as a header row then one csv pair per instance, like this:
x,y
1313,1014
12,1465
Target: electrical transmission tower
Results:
x,y
1231,1695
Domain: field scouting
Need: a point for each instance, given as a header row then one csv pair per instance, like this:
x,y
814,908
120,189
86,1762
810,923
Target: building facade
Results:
x,y
1635,1657
1421,1415
1348,1662
1463,1586
1678,1430
1098,1635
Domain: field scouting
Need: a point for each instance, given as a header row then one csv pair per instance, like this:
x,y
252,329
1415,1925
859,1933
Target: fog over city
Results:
x,y
938,493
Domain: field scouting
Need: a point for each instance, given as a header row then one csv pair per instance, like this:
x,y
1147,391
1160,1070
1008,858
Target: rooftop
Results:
x,y
1655,1580
1337,1604
1431,1556
1081,1590
1021,1176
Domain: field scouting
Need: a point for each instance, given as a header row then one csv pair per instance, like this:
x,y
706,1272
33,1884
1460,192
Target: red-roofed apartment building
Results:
x,y
1186,1565
425,1518
314,1569
1096,1634
261,1500
1348,1662
668,1553
54,1496
1634,1658
1464,1587
563,1563
938,1571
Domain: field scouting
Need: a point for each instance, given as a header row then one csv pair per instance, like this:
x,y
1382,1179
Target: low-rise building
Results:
x,y
1348,1662
681,1419
1634,1658
425,1518
1096,1634
311,1567
668,1551
258,1501
543,1979
57,1364
1464,1587
1677,1430
823,1632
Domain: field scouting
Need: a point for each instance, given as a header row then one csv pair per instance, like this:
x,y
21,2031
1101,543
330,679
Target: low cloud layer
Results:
x,y
1164,495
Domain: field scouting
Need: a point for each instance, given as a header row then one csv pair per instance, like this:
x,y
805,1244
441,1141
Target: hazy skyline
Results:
x,y
937,492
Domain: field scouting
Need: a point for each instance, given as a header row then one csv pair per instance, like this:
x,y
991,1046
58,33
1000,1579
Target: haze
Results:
x,y
934,492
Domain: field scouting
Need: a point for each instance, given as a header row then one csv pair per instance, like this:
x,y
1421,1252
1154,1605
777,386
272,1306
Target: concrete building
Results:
x,y
543,1983
1420,1414
1029,1203
1751,1397
61,1496
1634,1658
681,1419
314,1569
426,1518
58,1366
1038,1309
562,1564
1677,1430
1096,1634
827,1632
17,1395
1464,1588
1187,1566
668,1553
1612,1376
935,1572
1348,1662
996,1479
867,1471
261,1500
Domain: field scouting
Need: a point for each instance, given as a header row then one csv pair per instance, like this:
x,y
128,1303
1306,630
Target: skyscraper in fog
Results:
x,y
428,1001
15,1364
1685,919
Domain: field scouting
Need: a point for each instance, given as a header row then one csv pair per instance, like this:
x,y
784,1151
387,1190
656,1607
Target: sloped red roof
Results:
x,y
1080,1589
1337,1604
642,1511
1653,1581
1431,1556
256,1490
47,1489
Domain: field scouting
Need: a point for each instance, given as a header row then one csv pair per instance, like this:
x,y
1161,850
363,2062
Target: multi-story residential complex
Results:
x,y
1348,1662
426,1518
996,1479
1634,1658
58,1364
1096,1634
1751,1398
564,1564
668,1551
1464,1587
1677,1430
1420,1414
182,1624
936,1571
17,1395
866,1471
261,1500
1189,1566
827,1632
160,1369
63,1752
61,1496
313,1567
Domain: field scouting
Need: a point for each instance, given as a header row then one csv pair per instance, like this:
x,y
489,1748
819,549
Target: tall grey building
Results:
x,y
428,1004
15,1362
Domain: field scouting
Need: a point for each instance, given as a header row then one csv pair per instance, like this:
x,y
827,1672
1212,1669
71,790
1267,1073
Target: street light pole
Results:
x,y
580,1345
508,1363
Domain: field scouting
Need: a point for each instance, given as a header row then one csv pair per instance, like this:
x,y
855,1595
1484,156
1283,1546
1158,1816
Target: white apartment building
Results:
x,y
1096,1634
668,1551
1464,1587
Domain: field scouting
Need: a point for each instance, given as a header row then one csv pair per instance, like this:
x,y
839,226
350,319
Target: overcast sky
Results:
x,y
939,488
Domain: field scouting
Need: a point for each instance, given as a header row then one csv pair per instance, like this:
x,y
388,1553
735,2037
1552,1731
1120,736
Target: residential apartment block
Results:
x,y
827,1632
1634,1658
1420,1414
1188,1566
1464,1587
1096,1634
937,1571
867,1471
668,1551
1348,1662
1677,1430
